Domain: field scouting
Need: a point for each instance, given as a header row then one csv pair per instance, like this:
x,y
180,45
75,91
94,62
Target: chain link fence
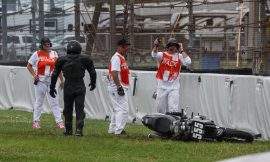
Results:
x,y
219,41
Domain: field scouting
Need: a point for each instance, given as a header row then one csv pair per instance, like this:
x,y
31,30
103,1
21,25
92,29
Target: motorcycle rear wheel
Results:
x,y
237,135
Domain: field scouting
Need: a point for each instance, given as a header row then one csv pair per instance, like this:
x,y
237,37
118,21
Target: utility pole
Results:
x,y
77,20
191,25
112,25
92,29
33,10
131,32
264,56
253,33
4,28
41,19
52,4
239,33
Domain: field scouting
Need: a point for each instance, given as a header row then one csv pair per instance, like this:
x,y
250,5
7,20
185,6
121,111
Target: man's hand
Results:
x,y
92,86
181,47
120,91
156,42
36,79
53,92
62,85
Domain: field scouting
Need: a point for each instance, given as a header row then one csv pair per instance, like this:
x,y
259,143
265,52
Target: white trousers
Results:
x,y
167,100
41,89
119,114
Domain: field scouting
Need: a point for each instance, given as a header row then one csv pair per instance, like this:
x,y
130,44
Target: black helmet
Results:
x,y
172,41
74,47
45,40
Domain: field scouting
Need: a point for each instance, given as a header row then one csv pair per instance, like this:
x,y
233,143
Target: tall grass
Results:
x,y
19,142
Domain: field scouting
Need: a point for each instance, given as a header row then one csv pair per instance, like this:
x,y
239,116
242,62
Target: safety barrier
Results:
x,y
236,101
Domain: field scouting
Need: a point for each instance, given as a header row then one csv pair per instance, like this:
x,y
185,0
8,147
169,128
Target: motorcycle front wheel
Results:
x,y
237,135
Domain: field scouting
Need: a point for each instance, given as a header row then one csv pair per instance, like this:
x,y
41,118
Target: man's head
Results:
x,y
122,46
45,43
172,45
74,48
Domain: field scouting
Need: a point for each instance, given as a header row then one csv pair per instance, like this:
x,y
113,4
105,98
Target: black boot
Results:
x,y
79,128
68,130
78,132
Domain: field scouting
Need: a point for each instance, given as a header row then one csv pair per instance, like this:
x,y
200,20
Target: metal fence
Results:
x,y
218,40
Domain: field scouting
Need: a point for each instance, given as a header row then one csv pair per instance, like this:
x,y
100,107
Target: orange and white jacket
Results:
x,y
46,62
43,63
118,63
169,69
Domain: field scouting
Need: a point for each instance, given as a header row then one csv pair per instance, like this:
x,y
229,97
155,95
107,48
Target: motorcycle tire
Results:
x,y
237,135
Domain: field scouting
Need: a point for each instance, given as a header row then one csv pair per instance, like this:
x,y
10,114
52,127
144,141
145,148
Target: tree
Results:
x,y
92,29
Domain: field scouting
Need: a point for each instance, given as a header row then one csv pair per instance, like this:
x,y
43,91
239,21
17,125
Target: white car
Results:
x,y
19,45
59,43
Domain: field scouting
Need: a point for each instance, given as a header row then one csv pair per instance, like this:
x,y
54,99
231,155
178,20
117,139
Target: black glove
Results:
x,y
36,82
120,91
92,86
53,92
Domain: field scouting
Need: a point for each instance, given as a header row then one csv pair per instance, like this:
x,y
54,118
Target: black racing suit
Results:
x,y
73,67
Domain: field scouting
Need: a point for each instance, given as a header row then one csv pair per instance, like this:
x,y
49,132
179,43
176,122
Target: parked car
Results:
x,y
19,46
59,43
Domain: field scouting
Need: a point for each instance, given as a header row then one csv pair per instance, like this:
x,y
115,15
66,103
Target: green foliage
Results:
x,y
19,142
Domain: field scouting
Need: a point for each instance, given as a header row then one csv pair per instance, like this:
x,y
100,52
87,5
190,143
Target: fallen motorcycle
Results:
x,y
179,126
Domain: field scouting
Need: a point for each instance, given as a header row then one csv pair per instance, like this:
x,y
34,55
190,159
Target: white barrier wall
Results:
x,y
235,101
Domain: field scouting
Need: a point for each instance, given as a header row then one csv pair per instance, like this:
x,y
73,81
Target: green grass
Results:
x,y
19,142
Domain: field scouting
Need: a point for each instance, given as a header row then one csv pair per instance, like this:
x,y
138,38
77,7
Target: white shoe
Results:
x,y
60,125
36,125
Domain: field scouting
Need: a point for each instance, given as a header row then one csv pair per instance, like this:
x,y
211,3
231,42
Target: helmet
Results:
x,y
45,40
172,41
74,47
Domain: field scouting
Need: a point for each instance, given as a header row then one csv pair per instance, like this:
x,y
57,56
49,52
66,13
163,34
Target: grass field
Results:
x,y
19,142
